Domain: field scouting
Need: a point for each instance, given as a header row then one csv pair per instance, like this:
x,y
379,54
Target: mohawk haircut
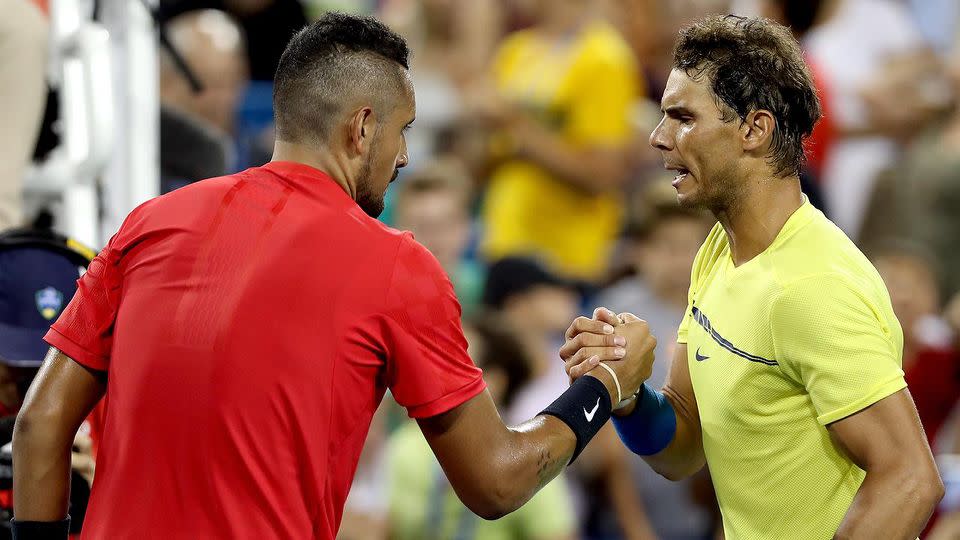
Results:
x,y
336,58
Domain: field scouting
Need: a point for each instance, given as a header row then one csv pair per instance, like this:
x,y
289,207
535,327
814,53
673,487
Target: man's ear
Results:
x,y
757,130
361,128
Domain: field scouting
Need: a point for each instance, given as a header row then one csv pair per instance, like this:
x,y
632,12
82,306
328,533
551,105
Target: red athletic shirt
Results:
x,y
249,326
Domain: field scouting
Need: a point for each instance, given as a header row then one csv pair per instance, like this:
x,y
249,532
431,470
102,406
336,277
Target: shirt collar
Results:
x,y
311,181
800,217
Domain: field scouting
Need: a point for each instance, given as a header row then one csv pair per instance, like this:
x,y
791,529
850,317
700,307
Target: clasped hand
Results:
x,y
622,342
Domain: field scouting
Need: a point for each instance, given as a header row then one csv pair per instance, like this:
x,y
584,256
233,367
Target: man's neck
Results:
x,y
758,215
318,159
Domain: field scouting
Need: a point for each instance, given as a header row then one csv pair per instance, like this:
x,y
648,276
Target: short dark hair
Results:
x,y
753,63
335,56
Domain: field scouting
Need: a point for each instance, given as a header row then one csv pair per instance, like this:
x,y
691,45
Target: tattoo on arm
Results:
x,y
548,467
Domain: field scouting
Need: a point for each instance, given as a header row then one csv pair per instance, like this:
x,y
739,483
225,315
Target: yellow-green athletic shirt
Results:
x,y
778,348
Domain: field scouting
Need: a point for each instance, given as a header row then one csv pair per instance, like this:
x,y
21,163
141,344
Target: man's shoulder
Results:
x,y
415,270
194,194
821,253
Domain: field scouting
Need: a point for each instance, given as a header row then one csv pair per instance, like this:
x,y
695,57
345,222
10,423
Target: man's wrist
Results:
x,y
604,377
584,407
626,410
650,426
40,530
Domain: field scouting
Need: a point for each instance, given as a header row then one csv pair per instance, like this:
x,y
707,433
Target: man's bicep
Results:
x,y
886,432
455,433
64,391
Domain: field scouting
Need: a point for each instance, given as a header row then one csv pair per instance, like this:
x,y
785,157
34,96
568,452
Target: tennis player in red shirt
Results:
x,y
245,328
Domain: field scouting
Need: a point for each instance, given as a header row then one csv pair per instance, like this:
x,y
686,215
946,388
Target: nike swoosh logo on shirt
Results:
x,y
700,357
589,415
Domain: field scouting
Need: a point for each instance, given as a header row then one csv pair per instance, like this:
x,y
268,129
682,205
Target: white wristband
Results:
x,y
615,381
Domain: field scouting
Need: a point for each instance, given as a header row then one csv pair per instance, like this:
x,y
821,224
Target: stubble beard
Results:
x,y
721,196
367,199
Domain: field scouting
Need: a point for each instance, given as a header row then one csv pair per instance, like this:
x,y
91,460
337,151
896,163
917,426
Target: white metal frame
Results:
x,y
109,106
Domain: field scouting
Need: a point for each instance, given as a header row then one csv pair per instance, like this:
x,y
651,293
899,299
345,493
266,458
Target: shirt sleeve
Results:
x,y
429,371
84,331
833,340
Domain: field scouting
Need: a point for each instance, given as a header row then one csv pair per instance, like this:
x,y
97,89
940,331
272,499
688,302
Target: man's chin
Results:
x,y
371,206
373,211
687,200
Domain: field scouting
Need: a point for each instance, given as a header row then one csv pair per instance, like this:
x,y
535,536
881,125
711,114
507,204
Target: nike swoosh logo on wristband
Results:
x,y
589,415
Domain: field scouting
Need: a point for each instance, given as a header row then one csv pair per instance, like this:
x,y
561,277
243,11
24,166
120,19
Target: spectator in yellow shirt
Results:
x,y
561,111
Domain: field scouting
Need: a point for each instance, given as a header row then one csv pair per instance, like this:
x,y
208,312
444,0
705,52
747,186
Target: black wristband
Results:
x,y
585,407
40,530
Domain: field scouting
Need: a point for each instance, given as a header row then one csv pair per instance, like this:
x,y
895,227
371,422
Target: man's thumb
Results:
x,y
628,317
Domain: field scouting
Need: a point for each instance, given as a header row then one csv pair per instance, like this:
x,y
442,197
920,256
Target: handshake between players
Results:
x,y
589,345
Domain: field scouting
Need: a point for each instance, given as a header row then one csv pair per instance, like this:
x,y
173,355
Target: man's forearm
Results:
x,y
495,469
504,473
492,468
536,451
541,448
578,167
683,457
41,472
61,396
892,504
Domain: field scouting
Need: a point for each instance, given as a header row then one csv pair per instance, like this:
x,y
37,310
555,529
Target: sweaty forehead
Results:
x,y
682,90
409,99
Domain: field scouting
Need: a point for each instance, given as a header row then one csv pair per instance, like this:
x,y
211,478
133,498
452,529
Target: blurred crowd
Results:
x,y
532,182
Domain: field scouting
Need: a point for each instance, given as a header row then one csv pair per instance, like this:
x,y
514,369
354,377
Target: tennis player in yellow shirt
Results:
x,y
787,378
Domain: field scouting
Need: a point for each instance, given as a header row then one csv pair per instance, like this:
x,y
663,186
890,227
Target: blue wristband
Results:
x,y
651,426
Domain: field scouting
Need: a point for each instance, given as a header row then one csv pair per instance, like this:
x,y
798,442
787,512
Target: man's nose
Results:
x,y
658,138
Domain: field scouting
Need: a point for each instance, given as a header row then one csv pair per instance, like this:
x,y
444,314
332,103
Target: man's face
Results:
x,y
439,221
213,48
552,307
695,141
387,155
665,257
